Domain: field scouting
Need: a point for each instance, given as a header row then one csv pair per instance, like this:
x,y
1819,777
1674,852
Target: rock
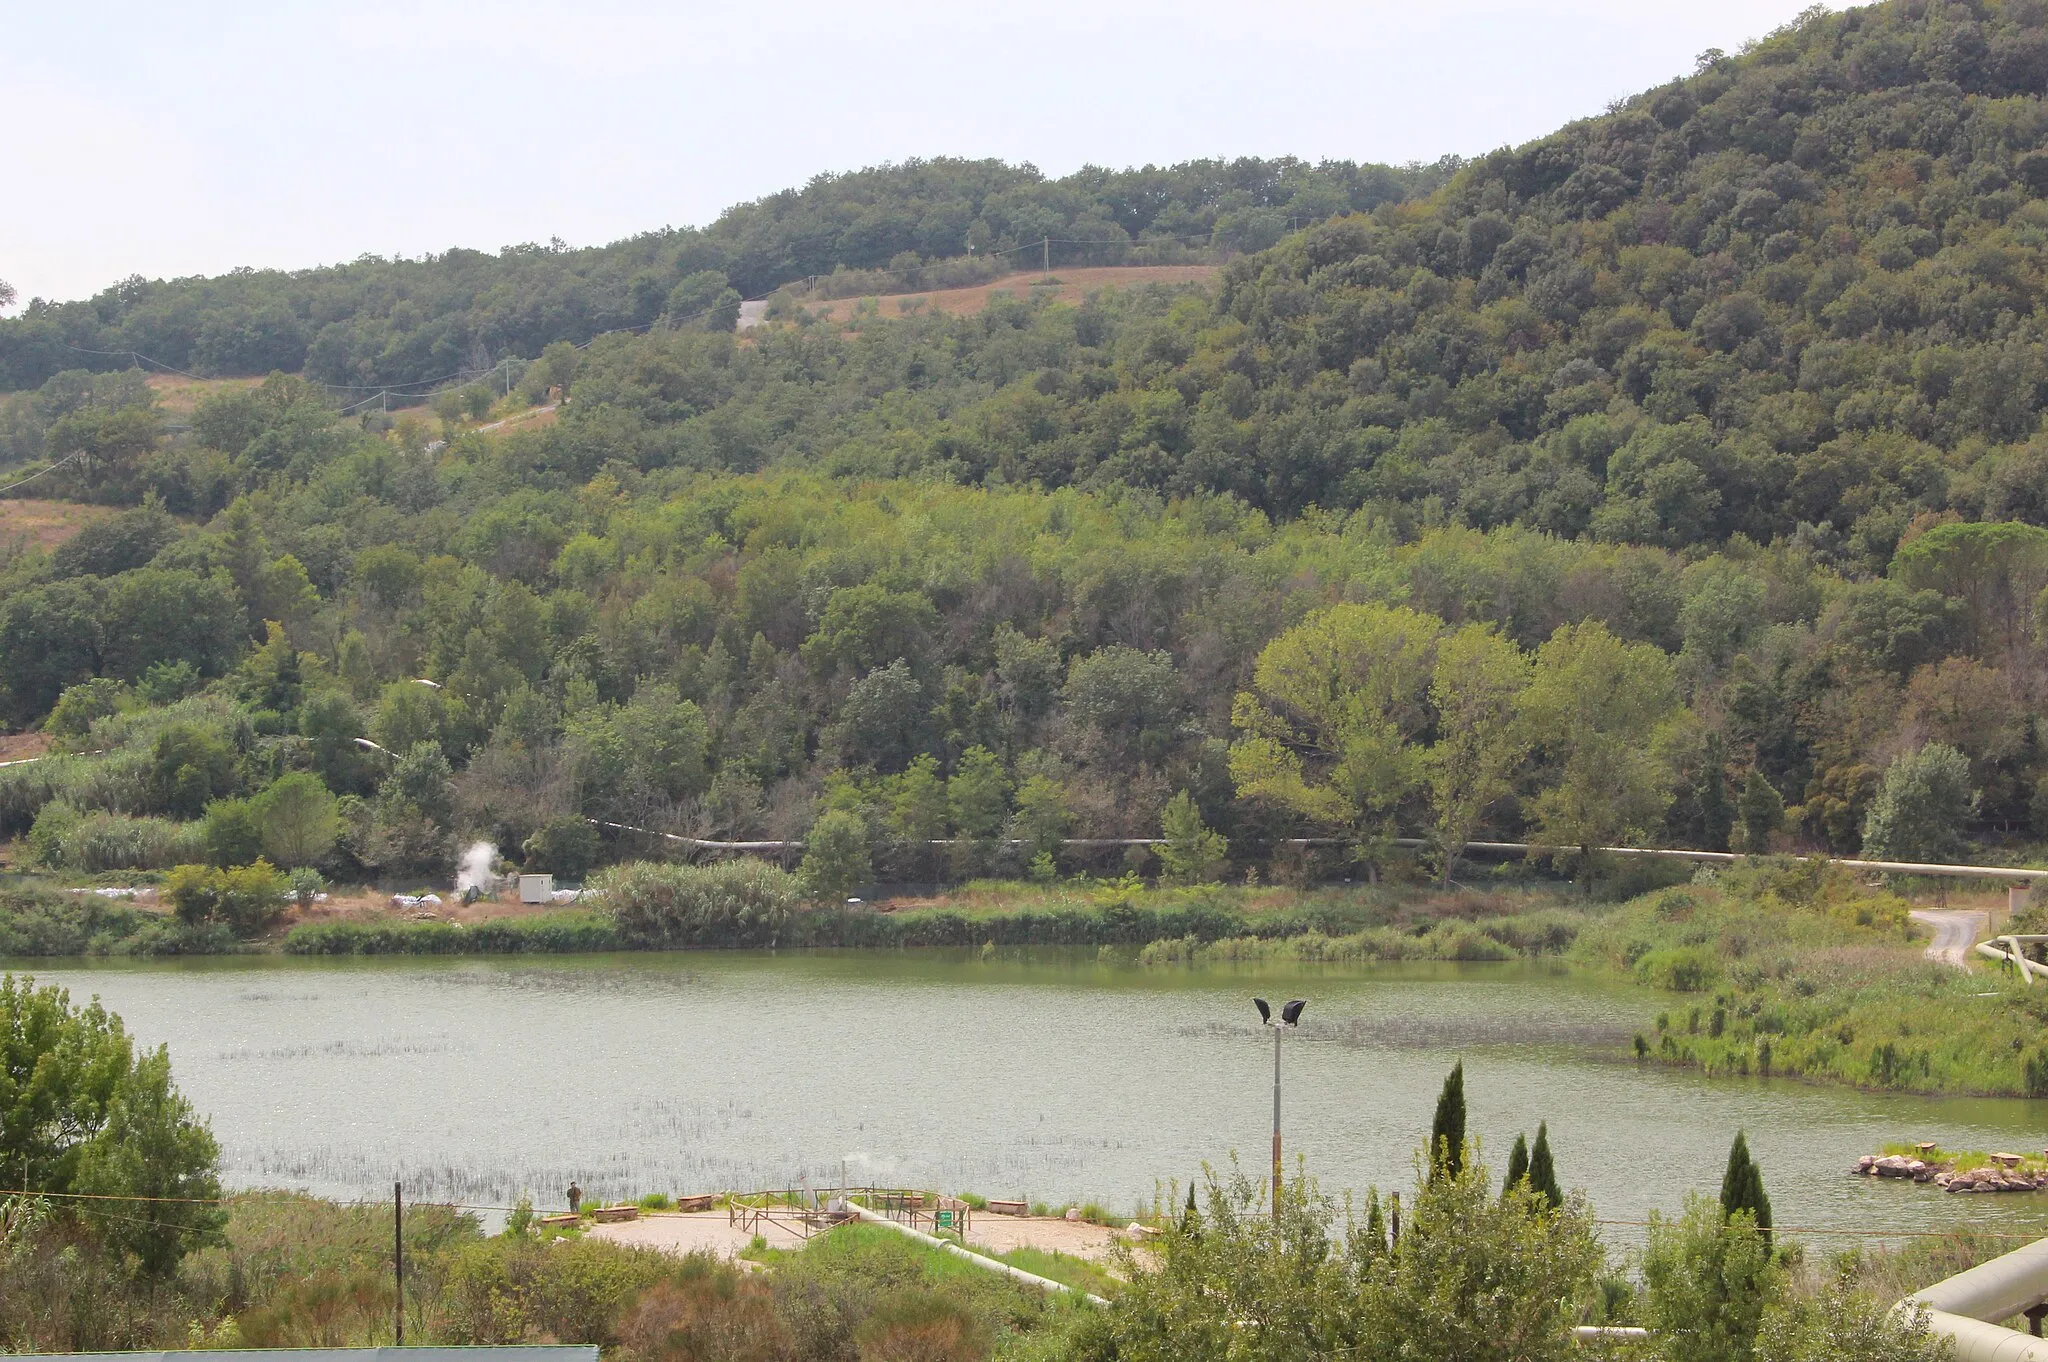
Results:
x,y
1864,1164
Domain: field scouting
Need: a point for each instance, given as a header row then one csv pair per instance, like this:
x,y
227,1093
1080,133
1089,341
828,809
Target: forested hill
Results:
x,y
410,322
1678,476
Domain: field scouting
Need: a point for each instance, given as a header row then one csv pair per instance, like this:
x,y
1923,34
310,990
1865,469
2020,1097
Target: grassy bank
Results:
x,y
553,933
1785,970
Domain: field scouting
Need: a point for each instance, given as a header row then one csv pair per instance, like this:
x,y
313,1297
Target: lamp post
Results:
x,y
1290,1017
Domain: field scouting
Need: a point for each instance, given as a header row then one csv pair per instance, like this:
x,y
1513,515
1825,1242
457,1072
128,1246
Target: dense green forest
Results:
x,y
411,323
1677,476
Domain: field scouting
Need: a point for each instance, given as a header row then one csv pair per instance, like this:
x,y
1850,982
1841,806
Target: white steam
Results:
x,y
473,871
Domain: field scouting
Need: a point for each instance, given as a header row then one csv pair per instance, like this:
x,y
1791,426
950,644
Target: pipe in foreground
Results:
x,y
932,1241
1961,1307
2006,951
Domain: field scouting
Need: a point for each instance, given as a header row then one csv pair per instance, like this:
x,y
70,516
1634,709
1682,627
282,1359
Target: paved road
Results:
x,y
1955,931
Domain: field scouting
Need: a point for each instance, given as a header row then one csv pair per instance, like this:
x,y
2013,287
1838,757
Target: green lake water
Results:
x,y
1052,1077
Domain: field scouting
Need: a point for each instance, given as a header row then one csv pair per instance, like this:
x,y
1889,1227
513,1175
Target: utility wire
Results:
x,y
74,454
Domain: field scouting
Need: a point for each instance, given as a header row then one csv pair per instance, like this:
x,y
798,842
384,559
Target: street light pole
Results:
x,y
1290,1016
1276,1128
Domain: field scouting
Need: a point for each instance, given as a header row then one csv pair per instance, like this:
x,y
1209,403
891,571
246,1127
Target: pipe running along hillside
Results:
x,y
2007,873
1962,1307
946,1245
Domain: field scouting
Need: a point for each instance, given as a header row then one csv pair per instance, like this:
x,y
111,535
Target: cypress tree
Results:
x,y
1375,1223
1542,1172
1742,1187
1190,1219
1447,1131
1518,1164
1717,817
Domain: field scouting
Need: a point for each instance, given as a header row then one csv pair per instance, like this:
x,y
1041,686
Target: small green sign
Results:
x,y
945,1220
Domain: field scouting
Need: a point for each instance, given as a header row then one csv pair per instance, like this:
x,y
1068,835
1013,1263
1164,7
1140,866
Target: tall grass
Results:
x,y
63,838
112,775
557,933
731,903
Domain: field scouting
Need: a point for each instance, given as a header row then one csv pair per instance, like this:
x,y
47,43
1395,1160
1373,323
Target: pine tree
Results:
x,y
1742,1187
1447,1131
1542,1171
1518,1164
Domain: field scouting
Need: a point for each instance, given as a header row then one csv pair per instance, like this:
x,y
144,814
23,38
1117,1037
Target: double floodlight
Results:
x,y
1290,1012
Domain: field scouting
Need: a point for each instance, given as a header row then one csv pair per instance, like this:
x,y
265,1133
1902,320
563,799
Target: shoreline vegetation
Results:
x,y
1419,1272
1774,968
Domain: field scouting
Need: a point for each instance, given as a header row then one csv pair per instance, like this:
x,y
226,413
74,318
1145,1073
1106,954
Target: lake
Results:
x,y
1053,1076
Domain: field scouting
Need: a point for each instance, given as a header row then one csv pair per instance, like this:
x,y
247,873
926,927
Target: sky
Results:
x,y
196,138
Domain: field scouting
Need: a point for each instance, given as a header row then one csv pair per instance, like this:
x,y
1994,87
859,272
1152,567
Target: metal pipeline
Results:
x,y
2006,951
1962,1307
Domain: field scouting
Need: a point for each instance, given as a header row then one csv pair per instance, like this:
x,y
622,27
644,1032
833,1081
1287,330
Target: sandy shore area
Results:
x,y
1075,1238
678,1233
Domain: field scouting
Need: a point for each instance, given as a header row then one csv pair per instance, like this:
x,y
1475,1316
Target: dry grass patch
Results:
x,y
28,521
179,396
1073,286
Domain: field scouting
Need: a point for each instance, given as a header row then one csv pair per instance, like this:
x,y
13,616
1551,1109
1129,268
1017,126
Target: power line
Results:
x,y
74,454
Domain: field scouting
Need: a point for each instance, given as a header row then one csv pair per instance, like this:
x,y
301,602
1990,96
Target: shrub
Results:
x,y
513,1290
230,833
297,819
83,705
567,846
246,899
732,903
1681,969
835,857
1709,1282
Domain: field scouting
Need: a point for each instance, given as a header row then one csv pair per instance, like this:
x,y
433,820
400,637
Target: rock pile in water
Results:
x,y
1990,1178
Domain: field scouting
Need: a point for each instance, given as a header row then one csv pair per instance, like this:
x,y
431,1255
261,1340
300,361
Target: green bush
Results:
x,y
1681,969
835,857
515,1290
567,846
731,903
83,705
245,900
230,833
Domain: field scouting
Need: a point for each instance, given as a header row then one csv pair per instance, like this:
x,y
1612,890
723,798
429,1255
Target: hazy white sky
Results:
x,y
167,139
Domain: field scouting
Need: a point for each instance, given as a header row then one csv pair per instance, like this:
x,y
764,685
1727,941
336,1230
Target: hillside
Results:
x,y
413,323
1677,476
